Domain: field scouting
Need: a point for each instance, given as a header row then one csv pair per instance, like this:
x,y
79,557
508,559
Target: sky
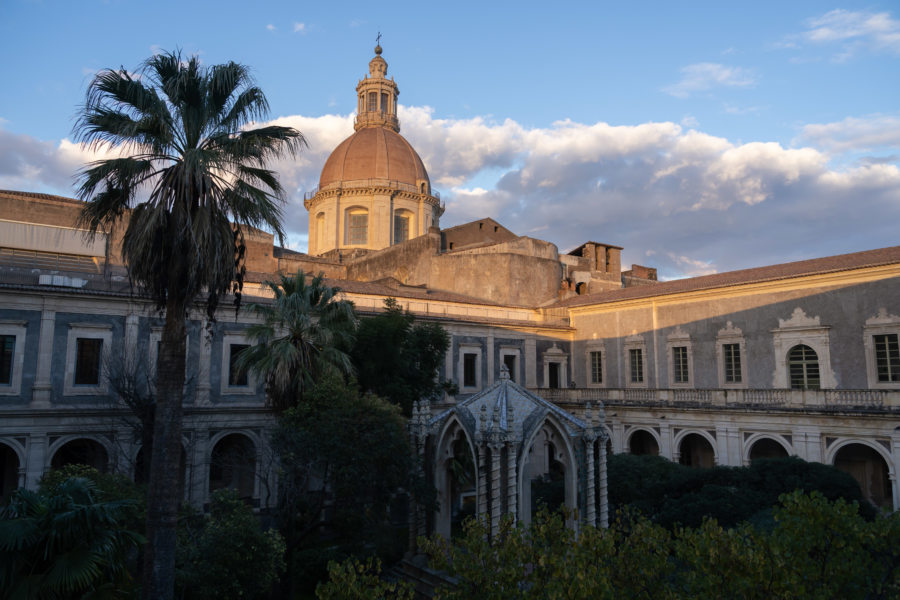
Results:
x,y
700,136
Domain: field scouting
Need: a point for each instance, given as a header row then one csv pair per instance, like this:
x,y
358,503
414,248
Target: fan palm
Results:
x,y
64,544
304,331
195,177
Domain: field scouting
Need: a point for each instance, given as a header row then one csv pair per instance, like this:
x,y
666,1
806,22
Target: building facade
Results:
x,y
794,359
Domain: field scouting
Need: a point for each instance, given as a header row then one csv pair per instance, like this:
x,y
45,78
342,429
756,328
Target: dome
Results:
x,y
374,153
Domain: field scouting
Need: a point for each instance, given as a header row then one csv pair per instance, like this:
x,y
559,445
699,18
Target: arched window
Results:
x,y
357,227
803,366
320,232
401,226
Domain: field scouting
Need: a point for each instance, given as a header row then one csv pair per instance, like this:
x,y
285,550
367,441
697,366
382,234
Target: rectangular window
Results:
x,y
359,225
401,229
887,357
373,101
596,367
237,378
732,356
636,357
384,102
7,352
469,362
680,364
510,361
88,353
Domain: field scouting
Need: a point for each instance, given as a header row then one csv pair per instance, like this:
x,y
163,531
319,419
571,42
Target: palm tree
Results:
x,y
65,544
305,331
196,177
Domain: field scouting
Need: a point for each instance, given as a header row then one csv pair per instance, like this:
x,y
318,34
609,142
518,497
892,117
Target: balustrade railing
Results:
x,y
750,398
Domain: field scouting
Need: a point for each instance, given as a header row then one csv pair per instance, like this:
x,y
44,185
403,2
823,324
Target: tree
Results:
x,y
343,457
670,494
194,180
397,358
227,555
304,332
62,543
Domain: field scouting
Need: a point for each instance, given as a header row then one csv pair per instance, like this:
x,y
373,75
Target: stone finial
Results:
x,y
587,412
495,420
483,417
504,372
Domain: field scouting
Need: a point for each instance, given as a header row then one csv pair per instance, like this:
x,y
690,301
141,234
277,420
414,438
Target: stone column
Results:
x,y
666,442
495,489
512,496
35,459
482,484
198,476
722,445
604,500
591,508
43,385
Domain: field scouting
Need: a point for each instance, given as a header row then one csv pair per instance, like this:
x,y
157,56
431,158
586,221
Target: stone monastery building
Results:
x,y
792,359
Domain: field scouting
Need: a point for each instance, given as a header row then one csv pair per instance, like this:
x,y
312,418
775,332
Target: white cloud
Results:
x,y
854,134
876,30
299,27
694,202
270,27
702,77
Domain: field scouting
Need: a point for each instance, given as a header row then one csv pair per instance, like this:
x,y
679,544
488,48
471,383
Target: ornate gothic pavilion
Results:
x,y
792,359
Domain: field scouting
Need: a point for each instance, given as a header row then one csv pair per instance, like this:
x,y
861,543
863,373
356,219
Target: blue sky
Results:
x,y
701,136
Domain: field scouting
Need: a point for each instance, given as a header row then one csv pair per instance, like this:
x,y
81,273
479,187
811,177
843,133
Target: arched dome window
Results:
x,y
357,226
402,226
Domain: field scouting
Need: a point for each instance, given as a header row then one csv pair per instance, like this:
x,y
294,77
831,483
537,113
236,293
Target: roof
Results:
x,y
373,153
15,194
579,250
815,266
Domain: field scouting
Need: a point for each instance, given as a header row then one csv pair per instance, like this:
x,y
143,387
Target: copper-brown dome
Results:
x,y
374,153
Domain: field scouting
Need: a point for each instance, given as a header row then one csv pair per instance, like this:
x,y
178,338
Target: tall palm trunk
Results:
x,y
162,501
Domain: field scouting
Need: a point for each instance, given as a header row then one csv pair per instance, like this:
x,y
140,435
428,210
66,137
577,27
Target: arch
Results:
x,y
232,464
696,448
766,445
10,463
803,368
455,477
642,441
869,464
80,450
552,431
580,288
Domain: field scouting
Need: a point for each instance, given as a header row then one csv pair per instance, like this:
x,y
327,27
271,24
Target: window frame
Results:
x,y
355,211
636,342
515,375
731,335
801,329
97,331
225,386
882,323
460,374
680,339
16,329
805,363
591,348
